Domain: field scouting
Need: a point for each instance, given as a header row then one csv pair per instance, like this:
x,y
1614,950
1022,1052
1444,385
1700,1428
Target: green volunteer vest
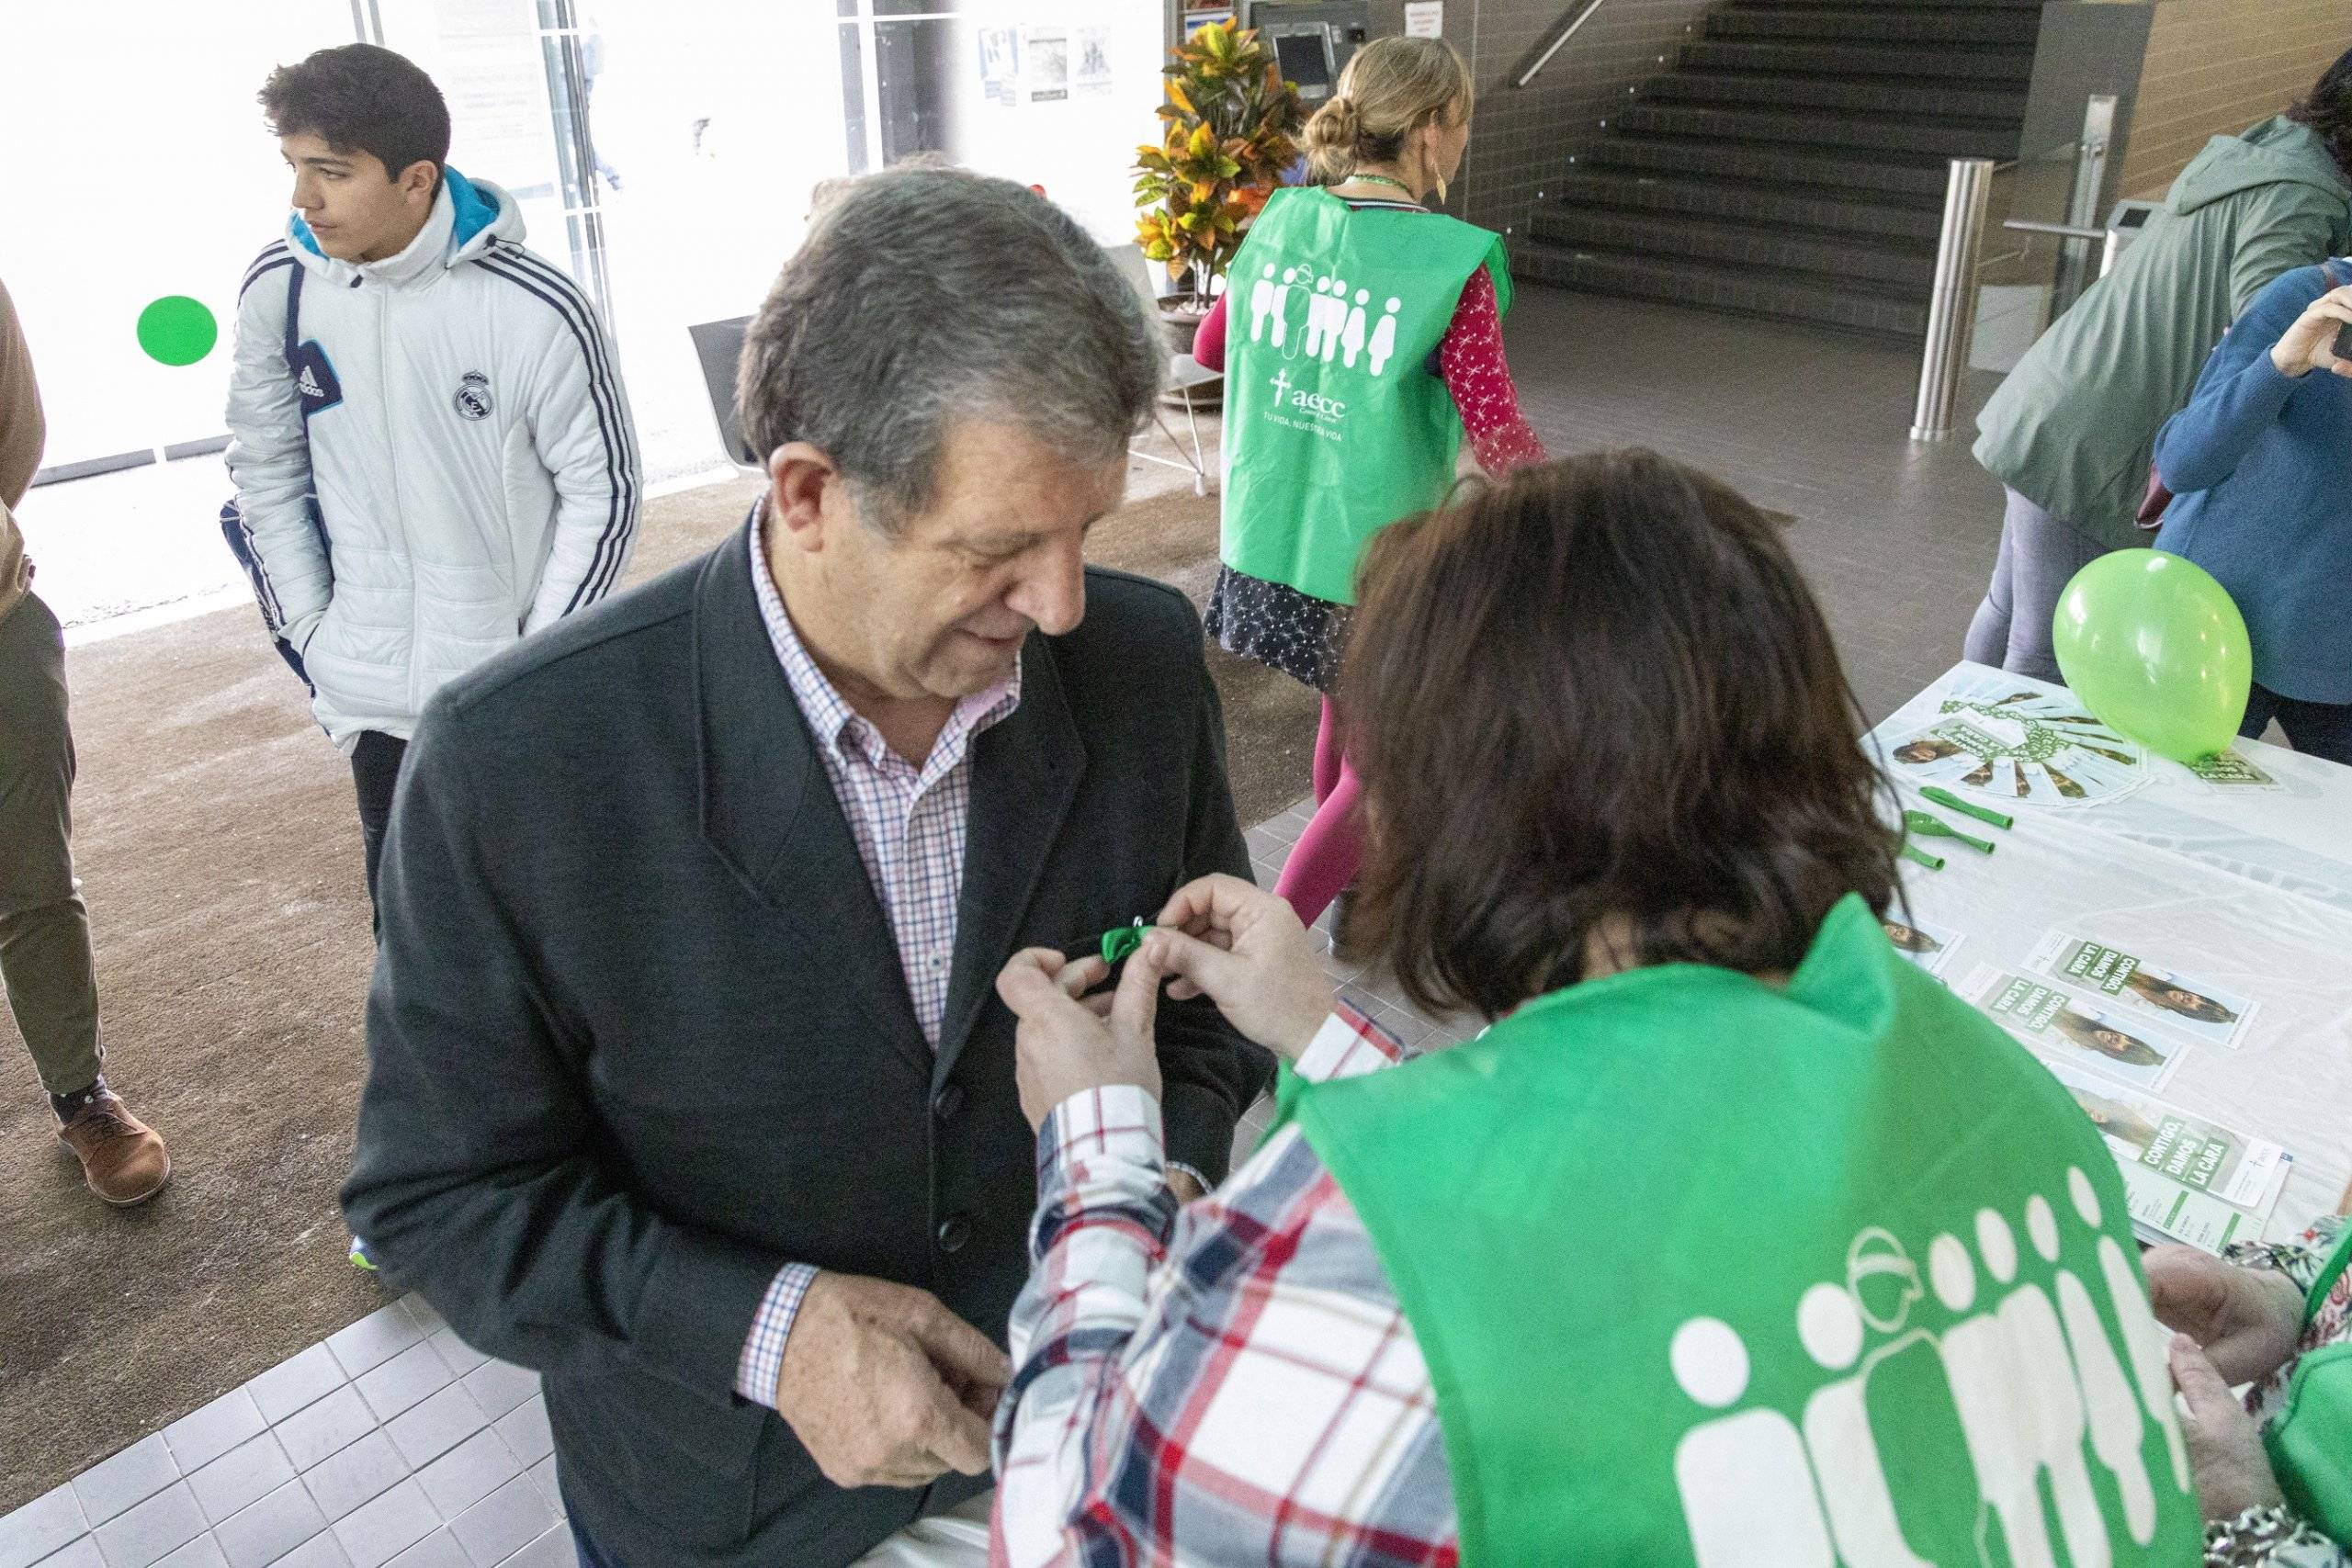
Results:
x,y
2310,1438
1335,427
1708,1271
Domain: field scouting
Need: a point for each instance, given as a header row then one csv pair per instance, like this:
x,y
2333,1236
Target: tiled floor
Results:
x,y
1898,538
391,1443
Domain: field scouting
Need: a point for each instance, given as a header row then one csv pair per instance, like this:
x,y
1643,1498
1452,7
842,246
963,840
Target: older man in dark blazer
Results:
x,y
688,1086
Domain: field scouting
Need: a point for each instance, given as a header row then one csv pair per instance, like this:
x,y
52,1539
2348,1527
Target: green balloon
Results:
x,y
176,329
2156,650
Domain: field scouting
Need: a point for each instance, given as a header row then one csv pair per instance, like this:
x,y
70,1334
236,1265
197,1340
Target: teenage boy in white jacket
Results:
x,y
435,458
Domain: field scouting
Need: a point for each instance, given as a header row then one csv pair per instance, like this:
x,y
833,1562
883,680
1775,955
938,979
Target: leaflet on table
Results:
x,y
2017,743
1925,943
2187,1151
2055,1023
2166,998
2227,770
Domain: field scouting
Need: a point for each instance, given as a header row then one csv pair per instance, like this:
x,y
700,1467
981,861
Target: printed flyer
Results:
x,y
2056,1024
2168,999
2189,1179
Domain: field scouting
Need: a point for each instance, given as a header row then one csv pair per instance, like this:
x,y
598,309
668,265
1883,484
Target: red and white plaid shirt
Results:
x,y
1231,1383
909,824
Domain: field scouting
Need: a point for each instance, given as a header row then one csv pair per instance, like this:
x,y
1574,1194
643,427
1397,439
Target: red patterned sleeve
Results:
x,y
1471,361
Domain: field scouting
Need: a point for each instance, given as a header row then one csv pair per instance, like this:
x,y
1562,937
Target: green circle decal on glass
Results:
x,y
176,329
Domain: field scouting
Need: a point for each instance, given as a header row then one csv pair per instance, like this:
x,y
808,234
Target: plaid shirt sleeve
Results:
x,y
1231,1384
763,1357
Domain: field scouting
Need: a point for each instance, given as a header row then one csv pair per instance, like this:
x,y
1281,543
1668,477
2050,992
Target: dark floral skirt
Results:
x,y
1279,627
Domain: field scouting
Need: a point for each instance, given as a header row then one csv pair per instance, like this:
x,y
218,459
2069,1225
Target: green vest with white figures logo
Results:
x,y
1335,427
1712,1271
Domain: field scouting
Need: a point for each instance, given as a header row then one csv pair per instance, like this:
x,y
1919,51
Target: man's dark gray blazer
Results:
x,y
639,1035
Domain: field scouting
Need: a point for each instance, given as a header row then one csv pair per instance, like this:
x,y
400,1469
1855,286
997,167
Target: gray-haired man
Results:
x,y
688,1086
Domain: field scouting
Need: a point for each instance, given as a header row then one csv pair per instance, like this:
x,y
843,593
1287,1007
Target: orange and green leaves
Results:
x,y
1230,122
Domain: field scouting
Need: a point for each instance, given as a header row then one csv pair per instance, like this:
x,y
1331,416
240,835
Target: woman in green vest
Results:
x,y
1361,336
1731,1238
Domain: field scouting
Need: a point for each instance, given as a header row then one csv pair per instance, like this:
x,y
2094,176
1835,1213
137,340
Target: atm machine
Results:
x,y
1312,39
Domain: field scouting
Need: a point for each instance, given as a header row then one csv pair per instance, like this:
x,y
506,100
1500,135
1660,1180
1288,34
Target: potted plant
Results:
x,y
1229,120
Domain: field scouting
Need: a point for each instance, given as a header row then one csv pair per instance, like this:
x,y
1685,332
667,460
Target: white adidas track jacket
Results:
x,y
456,412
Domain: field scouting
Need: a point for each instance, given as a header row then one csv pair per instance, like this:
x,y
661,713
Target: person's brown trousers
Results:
x,y
44,928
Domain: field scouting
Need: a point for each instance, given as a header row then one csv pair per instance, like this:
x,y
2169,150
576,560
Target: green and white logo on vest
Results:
x,y
1335,427
2038,1390
1715,1272
1325,324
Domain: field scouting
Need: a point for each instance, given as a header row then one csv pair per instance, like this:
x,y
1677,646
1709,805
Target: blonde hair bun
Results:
x,y
1391,88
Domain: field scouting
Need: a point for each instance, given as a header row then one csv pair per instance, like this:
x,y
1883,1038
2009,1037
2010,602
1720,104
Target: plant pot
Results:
x,y
1183,319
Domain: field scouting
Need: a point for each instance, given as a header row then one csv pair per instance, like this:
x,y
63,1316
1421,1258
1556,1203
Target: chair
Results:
x,y
1186,374
718,344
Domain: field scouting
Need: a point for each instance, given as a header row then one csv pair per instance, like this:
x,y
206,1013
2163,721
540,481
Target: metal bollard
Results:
x,y
1952,308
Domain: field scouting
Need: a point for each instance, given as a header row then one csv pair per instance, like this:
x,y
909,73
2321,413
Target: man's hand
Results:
x,y
1245,951
885,1386
2247,1320
1065,1044
2226,1454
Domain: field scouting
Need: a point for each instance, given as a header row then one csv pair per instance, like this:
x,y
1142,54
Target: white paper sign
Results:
x,y
1424,18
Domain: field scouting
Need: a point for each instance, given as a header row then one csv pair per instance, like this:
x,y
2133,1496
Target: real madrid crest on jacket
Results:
x,y
432,453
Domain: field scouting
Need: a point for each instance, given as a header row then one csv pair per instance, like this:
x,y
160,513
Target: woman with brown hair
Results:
x,y
1705,1250
1361,339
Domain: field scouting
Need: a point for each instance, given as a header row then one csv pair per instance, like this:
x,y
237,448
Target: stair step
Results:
x,y
1917,135
1850,94
1884,263
1878,24
1783,295
2014,67
1918,181
1745,201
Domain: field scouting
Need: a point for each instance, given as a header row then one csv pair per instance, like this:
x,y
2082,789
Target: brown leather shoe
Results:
x,y
122,1157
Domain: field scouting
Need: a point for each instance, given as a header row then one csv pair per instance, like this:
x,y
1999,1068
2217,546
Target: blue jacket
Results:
x,y
2260,467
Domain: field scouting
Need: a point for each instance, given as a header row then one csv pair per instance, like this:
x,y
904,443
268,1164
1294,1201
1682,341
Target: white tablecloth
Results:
x,y
2249,888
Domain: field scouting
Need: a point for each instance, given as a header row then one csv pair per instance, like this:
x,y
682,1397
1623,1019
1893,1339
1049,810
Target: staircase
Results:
x,y
1792,163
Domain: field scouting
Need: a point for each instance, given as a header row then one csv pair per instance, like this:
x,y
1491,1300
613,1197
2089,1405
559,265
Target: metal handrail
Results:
x,y
1559,41
2063,230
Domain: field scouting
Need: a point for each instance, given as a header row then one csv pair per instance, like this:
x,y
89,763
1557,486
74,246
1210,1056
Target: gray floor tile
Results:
x,y
523,1429
553,1549
436,1426
439,1549
374,1339
295,1382
83,1552
368,1468
39,1527
543,1476
498,1386
404,1381
271,1527
112,1485
374,1534
241,1477
137,1538
468,1473
461,1357
422,1310
322,1551
204,1552
502,1523
197,1441
317,1430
